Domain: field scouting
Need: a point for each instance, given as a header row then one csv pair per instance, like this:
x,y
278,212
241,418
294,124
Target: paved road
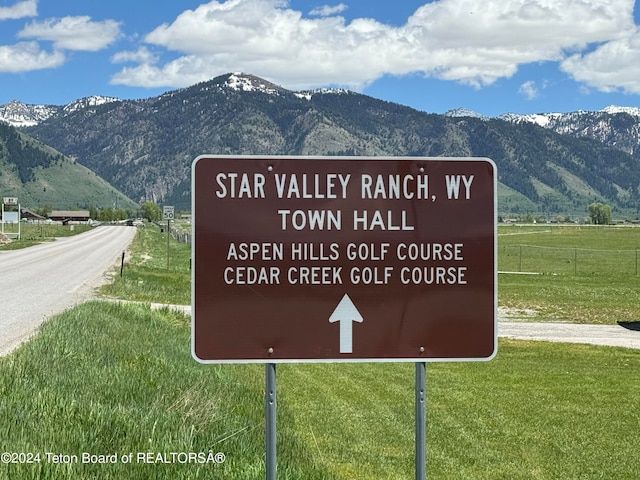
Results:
x,y
46,279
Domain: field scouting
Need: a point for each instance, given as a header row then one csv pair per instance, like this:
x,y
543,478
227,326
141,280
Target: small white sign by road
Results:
x,y
168,213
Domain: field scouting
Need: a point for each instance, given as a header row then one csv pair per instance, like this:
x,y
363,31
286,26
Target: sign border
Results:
x,y
254,157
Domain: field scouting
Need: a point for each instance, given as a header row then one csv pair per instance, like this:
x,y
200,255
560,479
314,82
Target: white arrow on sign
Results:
x,y
346,313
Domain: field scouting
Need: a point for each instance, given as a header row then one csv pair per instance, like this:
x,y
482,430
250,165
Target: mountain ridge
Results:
x,y
615,126
145,147
18,114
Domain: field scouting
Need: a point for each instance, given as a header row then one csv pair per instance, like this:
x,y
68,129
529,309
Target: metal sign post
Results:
x,y
270,415
421,421
168,215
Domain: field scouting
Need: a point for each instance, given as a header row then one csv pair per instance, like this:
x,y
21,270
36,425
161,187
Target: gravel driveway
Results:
x,y
625,334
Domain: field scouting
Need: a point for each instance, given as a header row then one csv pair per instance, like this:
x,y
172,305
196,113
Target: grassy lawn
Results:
x,y
111,379
539,410
148,276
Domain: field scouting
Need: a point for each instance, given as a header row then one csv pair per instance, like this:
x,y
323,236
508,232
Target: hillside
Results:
x,y
38,175
146,147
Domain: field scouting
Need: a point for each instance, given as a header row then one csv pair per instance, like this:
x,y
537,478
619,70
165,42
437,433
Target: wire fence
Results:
x,y
180,233
181,236
567,260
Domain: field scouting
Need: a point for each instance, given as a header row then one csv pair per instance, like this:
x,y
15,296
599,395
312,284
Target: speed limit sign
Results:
x,y
167,213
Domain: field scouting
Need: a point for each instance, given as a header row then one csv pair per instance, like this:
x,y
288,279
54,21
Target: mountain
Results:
x,y
617,127
18,114
145,147
464,112
38,175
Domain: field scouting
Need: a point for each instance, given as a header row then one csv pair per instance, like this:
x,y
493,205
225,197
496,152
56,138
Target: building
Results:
x,y
69,216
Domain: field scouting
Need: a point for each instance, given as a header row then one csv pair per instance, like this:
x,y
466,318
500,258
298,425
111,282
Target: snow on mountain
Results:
x,y
19,114
87,102
549,119
606,125
464,112
243,82
612,109
307,94
540,119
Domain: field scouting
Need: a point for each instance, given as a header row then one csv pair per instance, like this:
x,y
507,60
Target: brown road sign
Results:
x,y
343,259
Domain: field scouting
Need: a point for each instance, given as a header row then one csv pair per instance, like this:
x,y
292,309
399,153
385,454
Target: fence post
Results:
x,y
520,260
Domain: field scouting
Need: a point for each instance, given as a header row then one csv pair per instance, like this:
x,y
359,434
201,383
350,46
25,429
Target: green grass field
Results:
x,y
118,379
585,274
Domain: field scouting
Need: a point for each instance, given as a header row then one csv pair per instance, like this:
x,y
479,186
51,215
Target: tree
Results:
x,y
120,214
44,211
600,213
151,211
106,215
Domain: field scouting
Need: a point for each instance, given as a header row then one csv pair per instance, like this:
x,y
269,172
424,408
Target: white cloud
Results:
x,y
327,10
613,66
479,45
459,40
28,8
142,55
27,56
74,33
529,90
184,71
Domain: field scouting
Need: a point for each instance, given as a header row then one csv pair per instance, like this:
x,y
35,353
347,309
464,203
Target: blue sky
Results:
x,y
490,56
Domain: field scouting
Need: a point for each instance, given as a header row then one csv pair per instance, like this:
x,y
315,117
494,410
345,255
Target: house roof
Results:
x,y
26,213
69,214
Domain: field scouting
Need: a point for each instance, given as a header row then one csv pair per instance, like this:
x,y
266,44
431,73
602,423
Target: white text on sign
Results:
x,y
441,264
334,186
233,185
